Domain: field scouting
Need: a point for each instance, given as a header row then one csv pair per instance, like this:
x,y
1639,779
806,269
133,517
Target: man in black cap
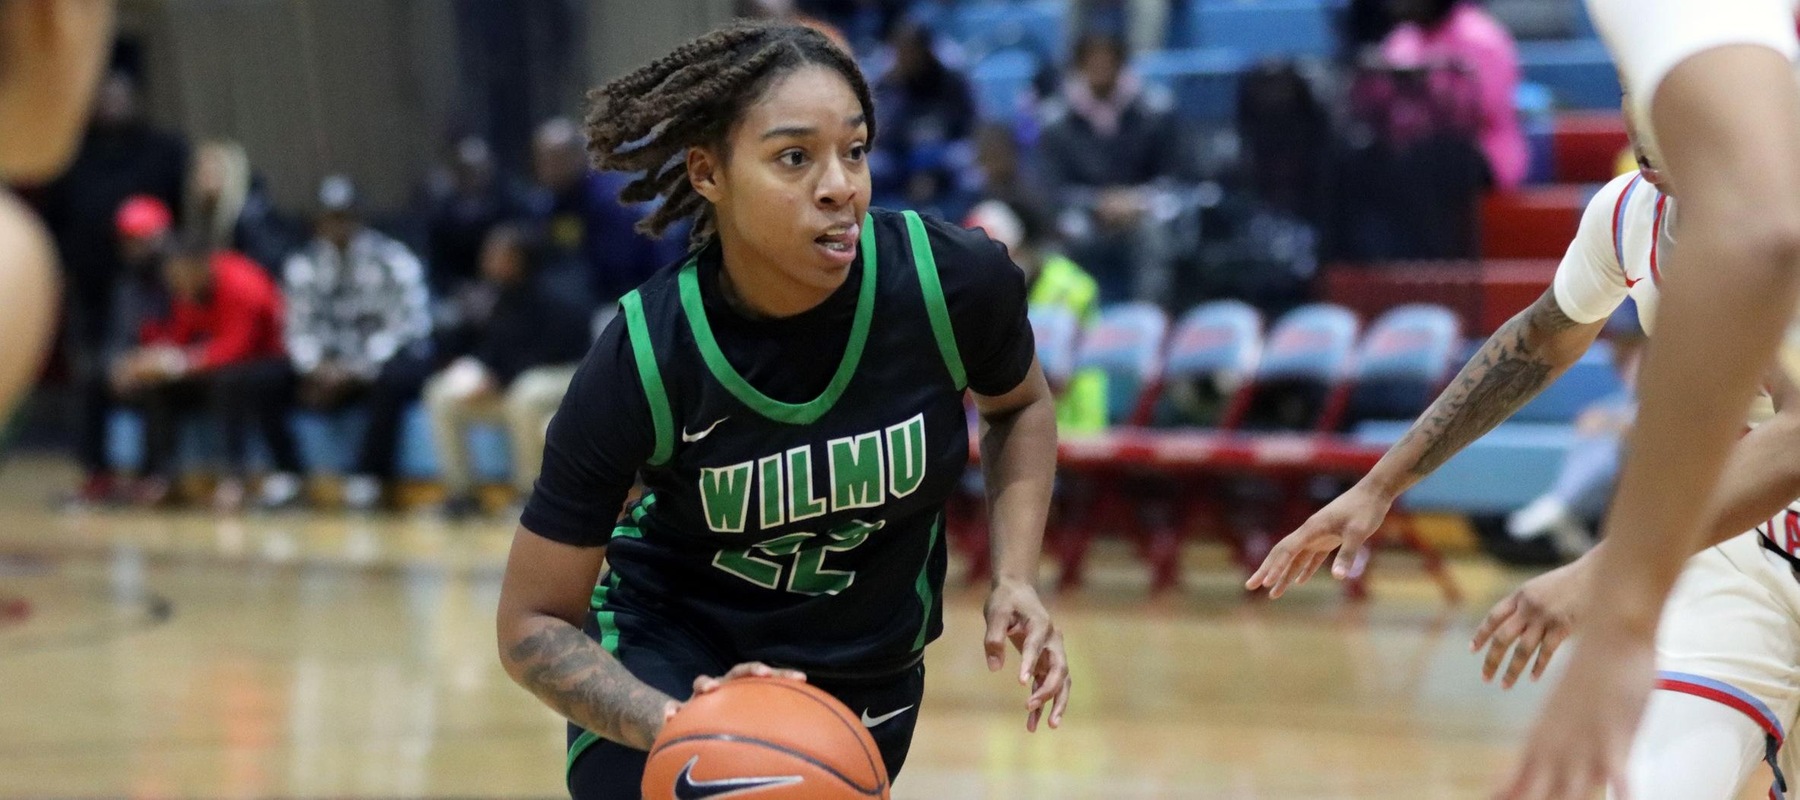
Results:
x,y
356,298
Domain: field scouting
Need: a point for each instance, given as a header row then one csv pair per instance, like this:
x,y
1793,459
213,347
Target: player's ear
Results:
x,y
703,172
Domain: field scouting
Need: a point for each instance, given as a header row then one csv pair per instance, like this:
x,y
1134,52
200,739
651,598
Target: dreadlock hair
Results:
x,y
646,121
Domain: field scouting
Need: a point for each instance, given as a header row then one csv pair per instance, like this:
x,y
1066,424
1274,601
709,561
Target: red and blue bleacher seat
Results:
x,y
1404,361
1001,82
1212,354
1307,356
1127,344
1056,330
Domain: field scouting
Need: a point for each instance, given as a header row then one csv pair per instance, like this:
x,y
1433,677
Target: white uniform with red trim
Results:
x,y
1647,38
1730,633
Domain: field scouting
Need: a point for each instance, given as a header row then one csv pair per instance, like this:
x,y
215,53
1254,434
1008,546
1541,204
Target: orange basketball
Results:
x,y
767,739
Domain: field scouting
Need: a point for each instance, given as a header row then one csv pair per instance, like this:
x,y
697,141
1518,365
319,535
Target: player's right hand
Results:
x,y
751,669
1534,620
1344,524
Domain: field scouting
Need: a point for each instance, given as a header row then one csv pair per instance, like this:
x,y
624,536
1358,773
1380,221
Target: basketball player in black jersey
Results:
x,y
792,395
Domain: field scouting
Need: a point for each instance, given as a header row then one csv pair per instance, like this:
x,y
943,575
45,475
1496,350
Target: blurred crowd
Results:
x,y
189,292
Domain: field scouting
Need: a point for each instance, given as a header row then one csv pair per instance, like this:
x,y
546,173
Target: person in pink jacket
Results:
x,y
1460,33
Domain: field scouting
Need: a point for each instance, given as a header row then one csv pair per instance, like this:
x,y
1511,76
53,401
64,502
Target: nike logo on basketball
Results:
x,y
870,722
690,438
686,788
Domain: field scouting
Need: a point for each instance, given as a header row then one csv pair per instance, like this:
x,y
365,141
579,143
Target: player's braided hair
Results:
x,y
645,121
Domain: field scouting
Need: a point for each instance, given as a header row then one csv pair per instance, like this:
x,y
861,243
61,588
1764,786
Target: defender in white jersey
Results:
x,y
1715,90
1729,650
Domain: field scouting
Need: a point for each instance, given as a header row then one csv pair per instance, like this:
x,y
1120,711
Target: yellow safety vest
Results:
x,y
1081,407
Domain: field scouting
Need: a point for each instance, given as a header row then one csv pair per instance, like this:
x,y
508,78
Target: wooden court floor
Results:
x,y
319,655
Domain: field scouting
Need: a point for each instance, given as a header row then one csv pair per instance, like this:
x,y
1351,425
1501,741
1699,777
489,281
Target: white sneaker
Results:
x,y
1571,538
1538,518
280,490
362,492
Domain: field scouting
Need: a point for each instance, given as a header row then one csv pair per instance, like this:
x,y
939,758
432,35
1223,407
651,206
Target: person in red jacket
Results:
x,y
218,351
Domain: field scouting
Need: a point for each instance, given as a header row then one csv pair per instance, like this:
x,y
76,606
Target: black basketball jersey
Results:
x,y
805,533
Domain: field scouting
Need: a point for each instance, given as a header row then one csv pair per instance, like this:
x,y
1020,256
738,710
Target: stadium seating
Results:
x,y
1055,329
1578,71
1001,82
1126,343
1535,222
1406,358
1035,27
1265,28
1212,356
1307,356
1202,81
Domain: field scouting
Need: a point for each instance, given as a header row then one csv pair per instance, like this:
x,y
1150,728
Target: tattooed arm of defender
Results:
x,y
1527,354
543,599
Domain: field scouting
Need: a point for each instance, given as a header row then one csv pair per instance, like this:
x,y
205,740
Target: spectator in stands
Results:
x,y
227,200
1146,23
1461,35
121,156
467,199
144,235
1570,512
219,352
1107,143
356,300
1052,280
865,22
525,352
580,211
923,155
786,10
1001,168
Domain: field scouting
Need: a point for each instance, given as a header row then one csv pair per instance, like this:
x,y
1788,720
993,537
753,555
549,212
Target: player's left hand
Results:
x,y
1582,738
1538,617
1014,612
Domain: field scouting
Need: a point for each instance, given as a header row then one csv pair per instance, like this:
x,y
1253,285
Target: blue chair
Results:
x,y
1002,82
1266,28
1055,329
1203,81
1591,378
1212,354
1536,105
1307,356
1579,73
1407,356
1127,345
983,28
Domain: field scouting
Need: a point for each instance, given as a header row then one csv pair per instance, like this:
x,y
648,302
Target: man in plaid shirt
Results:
x,y
356,299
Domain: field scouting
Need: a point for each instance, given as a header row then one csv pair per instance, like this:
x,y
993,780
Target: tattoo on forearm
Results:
x,y
570,672
1505,374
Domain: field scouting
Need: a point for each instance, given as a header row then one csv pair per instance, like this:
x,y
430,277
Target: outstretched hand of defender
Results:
x,y
1015,613
1534,620
1582,738
1344,525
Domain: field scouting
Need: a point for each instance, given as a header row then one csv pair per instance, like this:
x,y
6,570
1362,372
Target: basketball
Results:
x,y
781,739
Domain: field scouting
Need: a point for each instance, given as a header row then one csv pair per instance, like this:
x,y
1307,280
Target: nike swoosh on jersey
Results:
x,y
1630,282
870,722
690,438
686,788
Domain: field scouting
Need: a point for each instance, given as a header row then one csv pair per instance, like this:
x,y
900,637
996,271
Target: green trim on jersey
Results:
x,y
793,414
935,307
651,376
586,740
927,598
609,641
